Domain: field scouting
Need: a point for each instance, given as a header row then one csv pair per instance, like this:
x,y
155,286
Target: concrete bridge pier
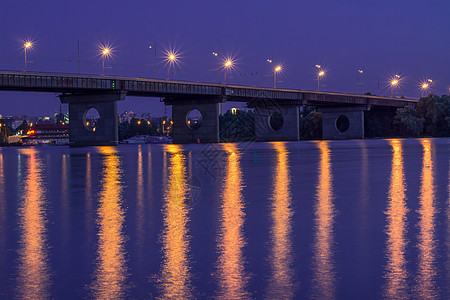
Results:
x,y
105,132
345,122
185,133
276,121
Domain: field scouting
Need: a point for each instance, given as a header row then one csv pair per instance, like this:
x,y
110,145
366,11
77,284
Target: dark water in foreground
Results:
x,y
339,219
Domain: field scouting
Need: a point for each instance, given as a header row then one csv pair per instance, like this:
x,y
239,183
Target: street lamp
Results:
x,y
26,46
395,82
105,52
360,74
171,58
320,74
216,54
276,69
425,86
154,47
227,64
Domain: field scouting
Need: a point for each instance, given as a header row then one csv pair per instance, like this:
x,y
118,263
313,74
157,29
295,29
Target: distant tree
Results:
x,y
124,131
4,133
435,111
407,123
237,127
24,127
311,126
373,128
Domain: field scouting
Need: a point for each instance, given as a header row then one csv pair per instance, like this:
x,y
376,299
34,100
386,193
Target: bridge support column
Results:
x,y
184,133
343,122
277,123
106,130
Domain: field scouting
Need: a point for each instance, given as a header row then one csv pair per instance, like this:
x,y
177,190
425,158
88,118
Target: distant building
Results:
x,y
15,121
56,134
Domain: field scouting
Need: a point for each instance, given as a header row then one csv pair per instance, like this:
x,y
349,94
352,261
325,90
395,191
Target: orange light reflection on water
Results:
x,y
111,272
231,275
3,213
33,271
426,273
395,270
175,280
281,258
323,284
140,211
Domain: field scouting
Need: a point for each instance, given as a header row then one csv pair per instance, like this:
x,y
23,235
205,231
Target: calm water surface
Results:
x,y
328,219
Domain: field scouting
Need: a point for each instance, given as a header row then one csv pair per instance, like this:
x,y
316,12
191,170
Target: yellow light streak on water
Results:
x,y
111,269
33,269
281,284
426,286
396,270
323,283
232,278
175,279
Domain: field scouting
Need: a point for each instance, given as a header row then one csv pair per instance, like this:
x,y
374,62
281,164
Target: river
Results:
x,y
357,219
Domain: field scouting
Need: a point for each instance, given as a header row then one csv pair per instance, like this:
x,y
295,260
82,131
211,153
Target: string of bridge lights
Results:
x,y
227,64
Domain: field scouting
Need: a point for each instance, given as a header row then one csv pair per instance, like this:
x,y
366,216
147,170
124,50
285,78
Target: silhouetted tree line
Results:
x,y
237,127
137,127
310,124
431,117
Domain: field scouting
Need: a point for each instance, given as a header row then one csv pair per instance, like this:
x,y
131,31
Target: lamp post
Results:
x,y
105,53
275,69
360,74
154,47
228,64
26,46
320,74
395,82
216,54
425,86
171,58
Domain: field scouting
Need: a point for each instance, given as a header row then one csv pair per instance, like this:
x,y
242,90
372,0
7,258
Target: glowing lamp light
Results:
x,y
321,73
228,63
106,50
31,132
425,86
28,45
394,82
277,68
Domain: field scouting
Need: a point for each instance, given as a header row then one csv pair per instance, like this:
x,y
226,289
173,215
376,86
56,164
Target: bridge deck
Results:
x,y
144,87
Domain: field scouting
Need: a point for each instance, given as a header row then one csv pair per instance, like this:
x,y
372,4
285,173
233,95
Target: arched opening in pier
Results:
x,y
91,119
342,123
194,119
276,121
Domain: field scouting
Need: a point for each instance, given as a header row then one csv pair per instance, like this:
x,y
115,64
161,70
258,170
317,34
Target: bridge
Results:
x,y
342,114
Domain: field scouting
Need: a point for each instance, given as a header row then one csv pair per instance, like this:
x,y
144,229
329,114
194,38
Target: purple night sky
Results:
x,y
406,37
